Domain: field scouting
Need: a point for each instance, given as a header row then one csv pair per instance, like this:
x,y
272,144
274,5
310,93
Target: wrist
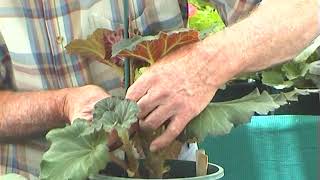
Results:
x,y
221,59
61,104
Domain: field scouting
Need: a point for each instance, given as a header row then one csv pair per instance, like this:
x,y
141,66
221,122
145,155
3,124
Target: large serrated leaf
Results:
x,y
219,118
73,156
294,70
115,113
285,98
152,48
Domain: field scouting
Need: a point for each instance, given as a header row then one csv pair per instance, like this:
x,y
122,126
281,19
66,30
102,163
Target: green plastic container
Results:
x,y
178,170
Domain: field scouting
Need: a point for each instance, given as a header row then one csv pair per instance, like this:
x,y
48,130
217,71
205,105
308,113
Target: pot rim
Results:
x,y
217,175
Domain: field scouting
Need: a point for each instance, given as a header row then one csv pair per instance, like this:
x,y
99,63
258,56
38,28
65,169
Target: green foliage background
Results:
x,y
206,19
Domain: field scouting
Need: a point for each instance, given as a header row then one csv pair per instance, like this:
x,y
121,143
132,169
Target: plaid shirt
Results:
x,y
33,35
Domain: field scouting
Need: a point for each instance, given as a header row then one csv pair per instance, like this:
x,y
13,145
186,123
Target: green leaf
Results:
x,y
249,76
315,80
295,70
115,113
74,156
152,48
315,68
140,71
275,78
92,47
219,118
207,20
314,75
12,177
201,4
313,57
98,46
285,98
306,53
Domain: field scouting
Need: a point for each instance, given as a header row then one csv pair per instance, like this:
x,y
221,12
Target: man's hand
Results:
x,y
182,84
79,102
173,92
27,113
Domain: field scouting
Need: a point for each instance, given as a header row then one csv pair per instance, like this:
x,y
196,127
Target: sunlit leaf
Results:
x,y
206,20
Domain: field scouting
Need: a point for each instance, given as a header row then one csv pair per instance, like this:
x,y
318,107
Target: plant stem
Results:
x,y
126,36
133,164
118,161
154,161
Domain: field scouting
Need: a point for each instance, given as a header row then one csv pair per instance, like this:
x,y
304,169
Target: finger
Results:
x,y
150,102
157,117
138,89
173,130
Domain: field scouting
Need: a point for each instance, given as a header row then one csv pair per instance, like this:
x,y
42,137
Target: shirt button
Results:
x,y
59,39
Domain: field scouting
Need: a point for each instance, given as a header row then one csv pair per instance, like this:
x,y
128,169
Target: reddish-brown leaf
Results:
x,y
152,48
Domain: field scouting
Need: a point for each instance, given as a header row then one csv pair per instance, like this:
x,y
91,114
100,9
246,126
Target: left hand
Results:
x,y
173,91
79,102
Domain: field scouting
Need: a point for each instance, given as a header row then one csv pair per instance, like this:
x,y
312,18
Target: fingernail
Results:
x,y
153,148
142,124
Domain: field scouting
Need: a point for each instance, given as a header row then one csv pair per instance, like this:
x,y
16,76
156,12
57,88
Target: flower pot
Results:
x,y
178,170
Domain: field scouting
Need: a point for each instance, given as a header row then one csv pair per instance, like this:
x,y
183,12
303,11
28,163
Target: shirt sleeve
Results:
x,y
5,66
233,10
